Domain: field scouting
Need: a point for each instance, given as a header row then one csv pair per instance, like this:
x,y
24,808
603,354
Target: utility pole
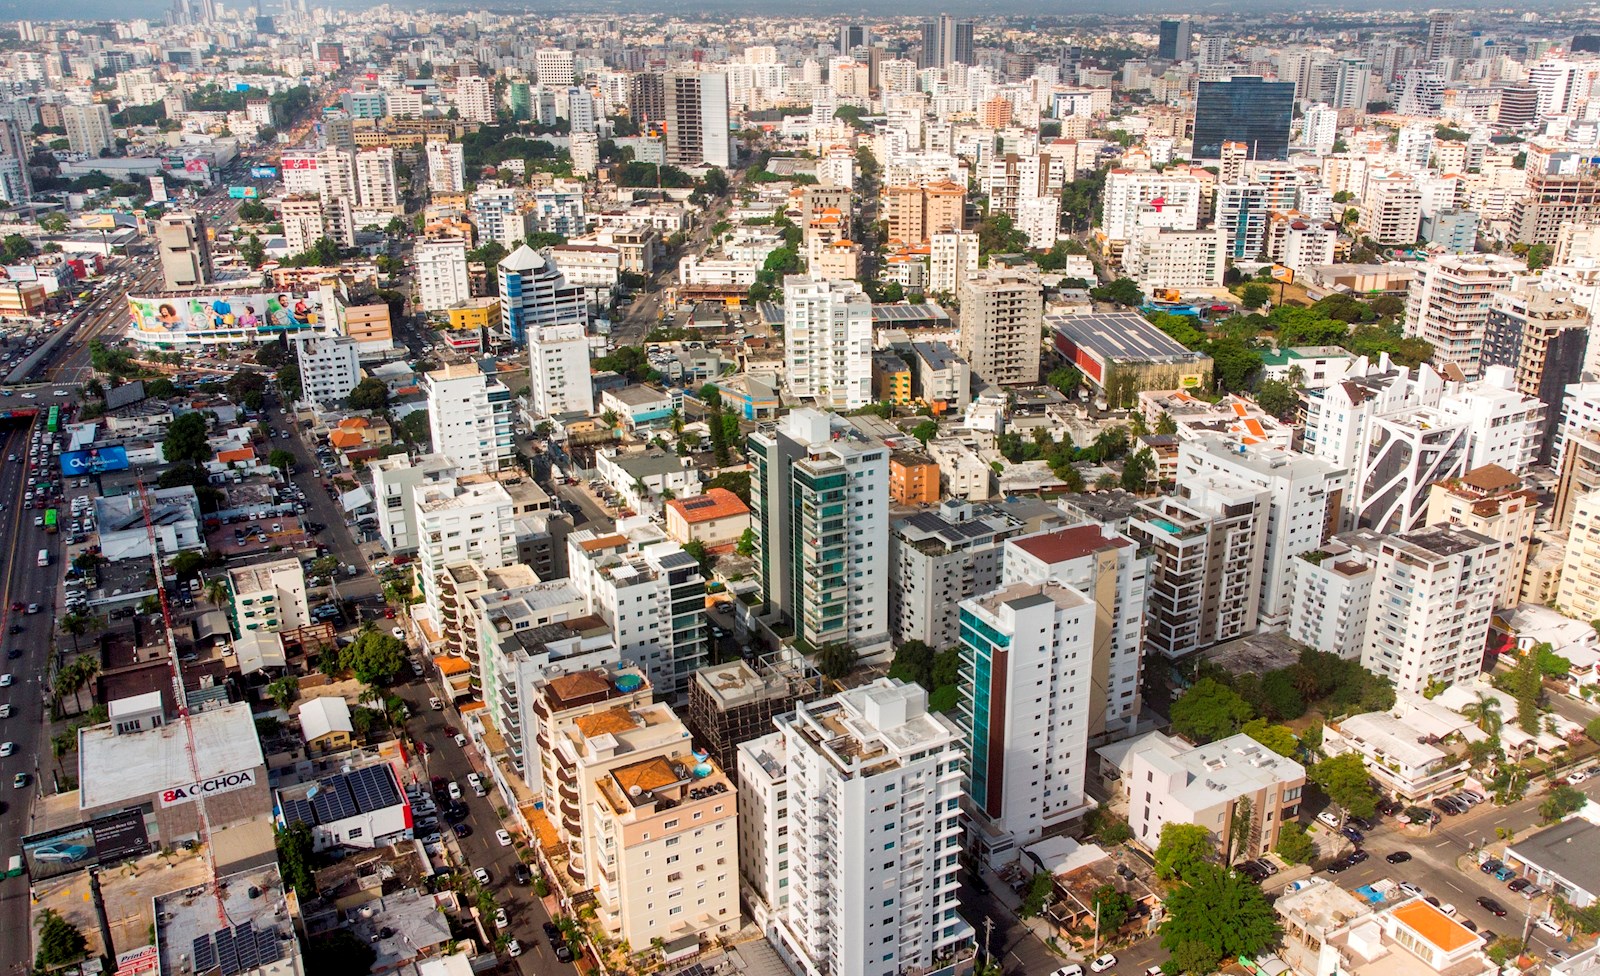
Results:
x,y
1097,928
988,927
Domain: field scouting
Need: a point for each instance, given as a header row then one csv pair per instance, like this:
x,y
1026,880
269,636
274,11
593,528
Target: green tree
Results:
x,y
75,625
254,211
1123,291
926,431
186,440
1065,379
1277,397
295,859
1551,664
281,459
1294,844
375,658
1112,907
288,379
1040,889
1281,697
370,394
1344,779
1208,711
698,552
284,691
1222,911
1561,801
60,942
1527,686
1484,713
1255,295
1279,738
1182,849
1592,730
913,662
746,546
836,660
1139,470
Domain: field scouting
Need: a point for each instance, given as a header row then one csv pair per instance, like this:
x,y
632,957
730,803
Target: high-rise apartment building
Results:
x,y
534,294
1448,305
554,67
545,662
730,704
1579,592
871,814
330,367
1561,186
441,273
647,98
819,500
183,249
1027,665
470,418
500,213
475,99
1492,502
459,521
946,41
697,118
376,181
1246,109
650,592
16,183
827,340
1432,596
1542,334
1144,198
1002,311
88,128
447,167
558,372
1577,450
1208,547
1504,426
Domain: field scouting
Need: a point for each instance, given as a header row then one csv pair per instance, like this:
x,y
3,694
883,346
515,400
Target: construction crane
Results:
x,y
180,697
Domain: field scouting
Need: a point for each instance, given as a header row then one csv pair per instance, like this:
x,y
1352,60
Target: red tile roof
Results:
x,y
715,504
1064,544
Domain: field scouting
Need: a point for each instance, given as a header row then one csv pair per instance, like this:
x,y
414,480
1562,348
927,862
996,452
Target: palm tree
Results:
x,y
609,418
217,591
1485,713
677,420
61,744
75,625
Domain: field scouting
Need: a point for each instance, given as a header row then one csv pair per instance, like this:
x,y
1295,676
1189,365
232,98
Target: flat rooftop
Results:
x,y
191,940
116,768
1122,337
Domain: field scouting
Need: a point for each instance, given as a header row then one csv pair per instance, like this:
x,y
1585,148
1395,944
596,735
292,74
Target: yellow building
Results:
x,y
475,313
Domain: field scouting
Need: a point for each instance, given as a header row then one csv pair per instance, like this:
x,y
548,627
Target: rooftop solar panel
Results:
x,y
205,954
227,953
269,948
373,788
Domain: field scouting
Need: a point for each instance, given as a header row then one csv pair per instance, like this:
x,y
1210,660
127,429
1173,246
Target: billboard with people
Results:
x,y
76,464
217,319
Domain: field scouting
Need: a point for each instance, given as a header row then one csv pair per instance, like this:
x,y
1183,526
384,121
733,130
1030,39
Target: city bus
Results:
x,y
53,424
50,525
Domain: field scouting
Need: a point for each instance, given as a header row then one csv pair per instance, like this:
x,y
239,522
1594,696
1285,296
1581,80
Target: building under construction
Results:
x,y
735,702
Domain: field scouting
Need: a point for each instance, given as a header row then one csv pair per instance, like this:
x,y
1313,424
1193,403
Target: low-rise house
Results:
x,y
325,724
643,479
1552,858
715,519
1402,759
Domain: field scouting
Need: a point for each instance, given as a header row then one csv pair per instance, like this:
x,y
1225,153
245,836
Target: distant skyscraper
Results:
x,y
16,184
1247,109
852,36
88,128
946,41
1176,43
697,118
647,98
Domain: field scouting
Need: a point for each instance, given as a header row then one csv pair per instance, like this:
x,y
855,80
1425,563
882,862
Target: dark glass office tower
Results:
x,y
1247,109
1176,42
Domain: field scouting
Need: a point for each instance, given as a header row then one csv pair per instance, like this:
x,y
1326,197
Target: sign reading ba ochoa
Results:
x,y
216,785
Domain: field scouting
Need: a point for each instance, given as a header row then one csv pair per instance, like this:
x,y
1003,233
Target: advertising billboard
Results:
x,y
263,172
244,193
76,464
218,318
106,840
119,836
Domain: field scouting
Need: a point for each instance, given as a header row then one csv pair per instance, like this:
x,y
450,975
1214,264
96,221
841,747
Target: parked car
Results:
x,y
1353,835
1492,865
1103,963
1399,857
1491,906
482,876
1504,874
1329,818
1518,884
1577,776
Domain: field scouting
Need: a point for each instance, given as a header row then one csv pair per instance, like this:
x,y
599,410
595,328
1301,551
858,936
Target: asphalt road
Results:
x,y
481,850
24,580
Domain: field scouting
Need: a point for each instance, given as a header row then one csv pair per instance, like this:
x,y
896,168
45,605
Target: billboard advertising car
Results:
x,y
263,172
76,464
220,318
105,840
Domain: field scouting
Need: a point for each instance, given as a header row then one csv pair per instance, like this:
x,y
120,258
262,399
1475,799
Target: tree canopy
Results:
x,y
1209,711
375,658
1344,778
186,440
1216,914
1182,849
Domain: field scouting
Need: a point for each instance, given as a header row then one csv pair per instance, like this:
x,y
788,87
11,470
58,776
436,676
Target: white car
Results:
x,y
455,791
504,837
1410,890
60,393
30,396
1103,963
1072,970
436,704
1328,817
482,876
5,680
1548,924
7,748
513,948
5,711
1578,777
399,634
461,740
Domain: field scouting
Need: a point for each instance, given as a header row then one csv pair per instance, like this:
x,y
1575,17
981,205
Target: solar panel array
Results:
x,y
237,950
695,504
345,795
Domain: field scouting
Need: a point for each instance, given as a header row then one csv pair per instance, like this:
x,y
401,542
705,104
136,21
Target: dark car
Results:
x,y
1342,864
1492,865
552,931
522,874
1492,907
14,653
1357,856
1447,805
1399,857
1517,884
1351,834
462,829
1362,823
1431,900
563,952
1468,924
16,629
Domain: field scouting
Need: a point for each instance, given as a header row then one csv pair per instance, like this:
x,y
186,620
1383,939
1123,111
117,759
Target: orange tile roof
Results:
x,y
349,423
609,722
579,684
450,664
603,542
652,774
237,454
345,438
1433,925
715,504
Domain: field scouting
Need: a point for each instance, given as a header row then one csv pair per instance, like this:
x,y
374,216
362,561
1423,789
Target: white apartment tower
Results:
x,y
447,167
376,182
1432,597
1027,666
534,295
1002,310
873,821
441,270
330,367
827,340
475,99
558,371
470,418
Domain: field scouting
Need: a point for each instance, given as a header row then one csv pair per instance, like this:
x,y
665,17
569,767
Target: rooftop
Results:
x,y
1069,543
129,768
715,504
1433,925
1121,336
1561,849
190,939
